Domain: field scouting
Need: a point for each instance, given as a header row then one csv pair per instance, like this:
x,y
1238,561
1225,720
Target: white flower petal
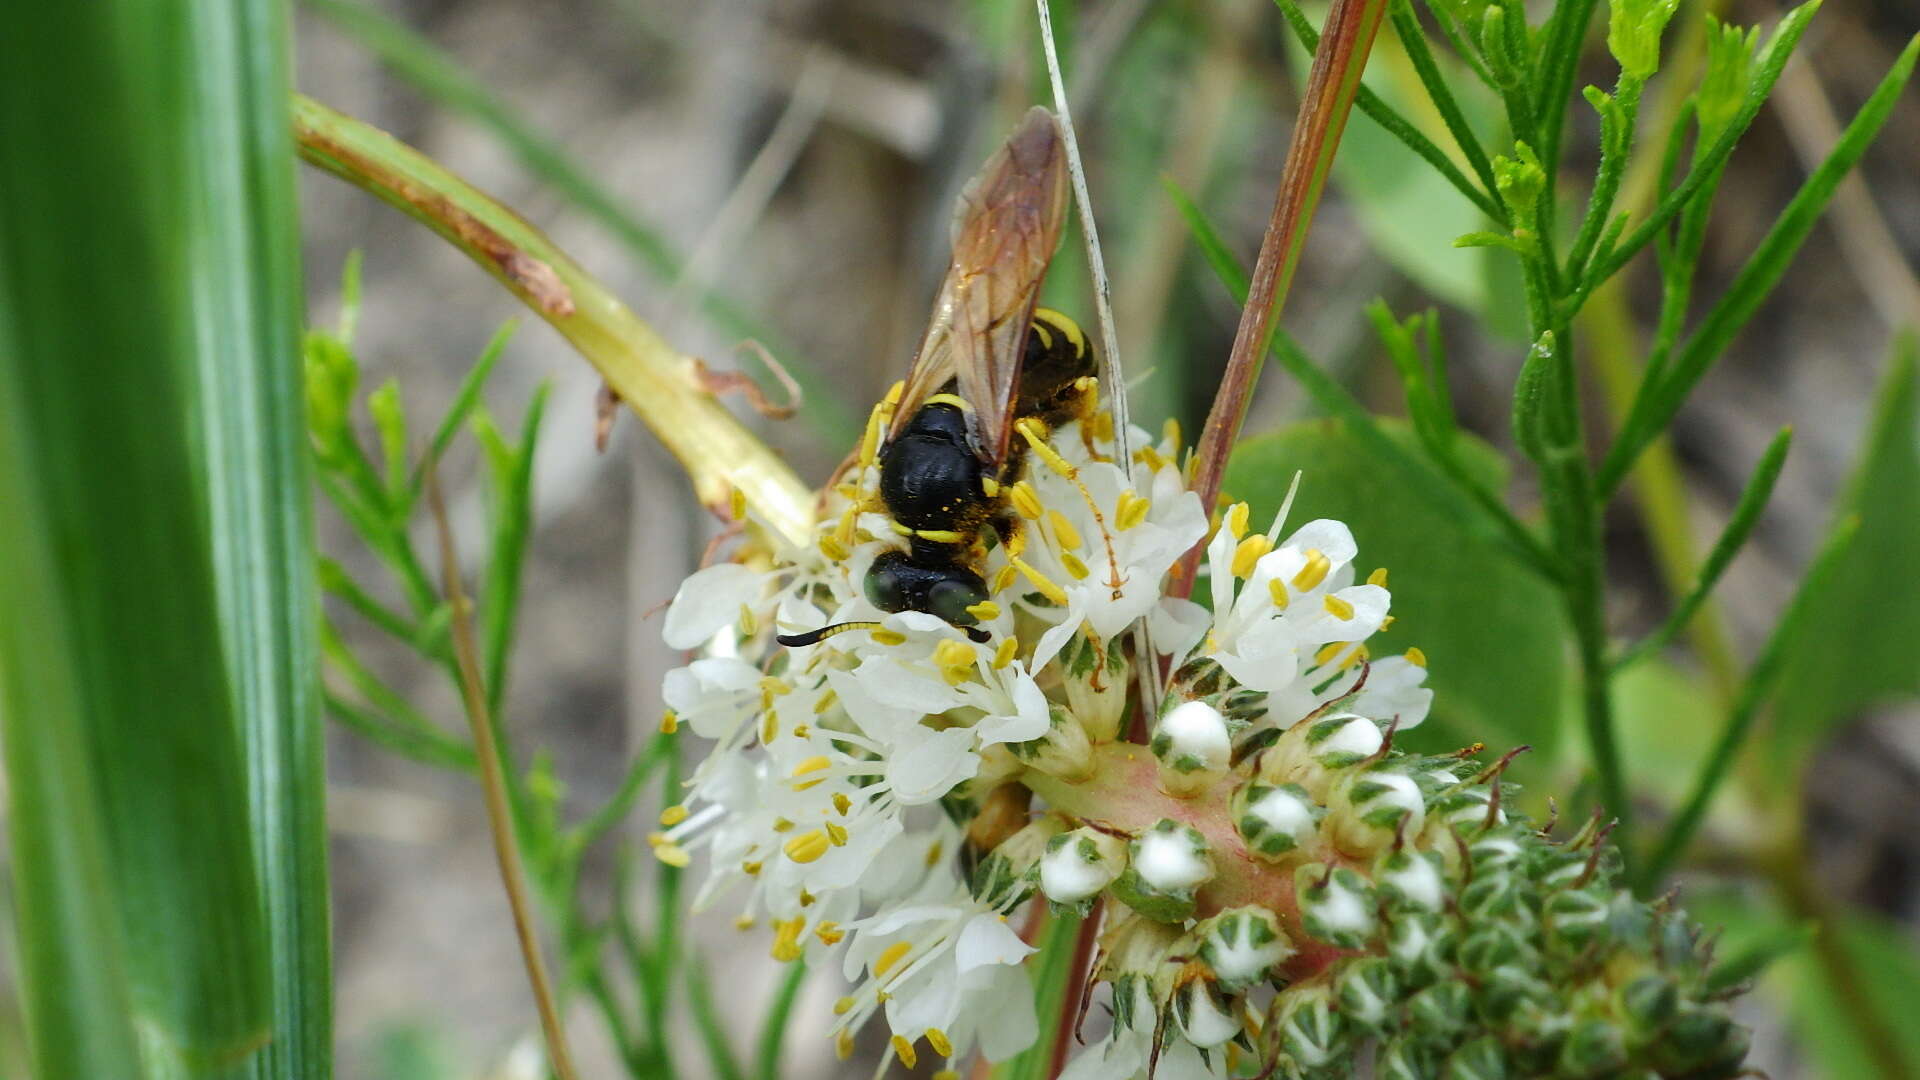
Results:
x,y
709,600
987,939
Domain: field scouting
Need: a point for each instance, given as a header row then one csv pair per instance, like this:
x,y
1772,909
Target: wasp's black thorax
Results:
x,y
929,474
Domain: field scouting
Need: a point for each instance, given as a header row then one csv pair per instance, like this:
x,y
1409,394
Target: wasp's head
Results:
x,y
945,590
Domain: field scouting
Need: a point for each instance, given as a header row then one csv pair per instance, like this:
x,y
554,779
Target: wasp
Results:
x,y
991,363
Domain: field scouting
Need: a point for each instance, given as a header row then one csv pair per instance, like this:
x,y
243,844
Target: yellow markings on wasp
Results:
x,y
1040,328
807,846
669,722
990,487
673,815
1066,326
1026,501
954,400
1103,427
876,428
1131,510
985,610
899,528
903,1050
1378,577
1035,432
890,956
940,536
1278,590
889,637
1314,572
1337,607
1249,551
1416,657
814,764
1074,566
1009,648
1063,529
1040,581
939,1041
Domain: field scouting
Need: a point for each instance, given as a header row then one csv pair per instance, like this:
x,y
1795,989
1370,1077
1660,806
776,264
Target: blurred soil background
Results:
x,y
808,152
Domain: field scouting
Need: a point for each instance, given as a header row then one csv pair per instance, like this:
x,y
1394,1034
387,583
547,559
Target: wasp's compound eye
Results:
x,y
950,598
887,583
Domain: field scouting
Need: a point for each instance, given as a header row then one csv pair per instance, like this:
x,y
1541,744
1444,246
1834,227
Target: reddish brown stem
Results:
x,y
1345,41
1078,986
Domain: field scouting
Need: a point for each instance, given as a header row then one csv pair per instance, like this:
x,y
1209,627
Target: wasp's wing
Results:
x,y
1005,230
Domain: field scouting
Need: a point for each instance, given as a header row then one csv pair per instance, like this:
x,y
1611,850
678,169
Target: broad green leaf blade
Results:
x,y
113,275
1492,630
1888,964
1857,645
1052,968
247,300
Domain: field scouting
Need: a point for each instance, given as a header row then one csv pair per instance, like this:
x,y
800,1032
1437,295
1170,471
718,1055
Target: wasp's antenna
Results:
x,y
815,637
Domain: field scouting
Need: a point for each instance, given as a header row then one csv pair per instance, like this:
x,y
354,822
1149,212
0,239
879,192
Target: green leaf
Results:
x,y
157,646
1052,970
1858,646
1666,718
773,1030
1492,630
1884,956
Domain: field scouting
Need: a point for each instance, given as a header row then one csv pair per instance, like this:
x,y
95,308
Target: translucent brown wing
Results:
x,y
1005,230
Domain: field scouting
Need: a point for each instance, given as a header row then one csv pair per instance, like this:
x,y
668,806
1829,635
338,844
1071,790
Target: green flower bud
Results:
x,y
1166,864
1404,1059
1096,685
1421,948
1079,864
1633,34
1194,747
1366,990
1311,1032
1411,880
1242,945
1063,751
1594,1047
1336,906
332,378
1649,1003
1575,919
1274,820
1367,810
1441,1011
1520,180
1310,752
1005,877
1206,1016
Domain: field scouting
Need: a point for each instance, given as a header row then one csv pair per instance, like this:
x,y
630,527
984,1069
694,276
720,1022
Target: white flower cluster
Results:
x,y
846,776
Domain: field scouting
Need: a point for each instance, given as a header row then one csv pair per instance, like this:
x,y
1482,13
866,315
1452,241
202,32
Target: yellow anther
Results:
x,y
748,624
892,400
786,939
769,726
843,529
843,1045
1003,655
1314,572
903,1050
951,653
1416,657
890,956
1337,607
1170,434
672,854
737,503
1041,582
655,839
1131,511
1026,501
836,834
985,610
833,549
829,932
806,847
1249,551
939,1041
1063,529
841,803
743,922
1017,543
889,637
751,868
954,1074
669,722
1387,623
1278,590
939,536
1378,577
1003,579
801,731
1236,520
843,1006
781,824
1359,655
990,487
1102,424
1330,650
934,851
1074,566
813,764
775,685
826,701
673,815
1035,433
1151,458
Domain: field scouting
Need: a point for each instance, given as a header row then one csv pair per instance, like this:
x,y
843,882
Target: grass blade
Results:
x,y
1757,278
1746,514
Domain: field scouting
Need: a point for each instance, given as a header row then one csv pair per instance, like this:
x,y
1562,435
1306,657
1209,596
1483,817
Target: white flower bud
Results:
x,y
1079,864
1367,810
1310,751
1096,685
1274,820
1206,1018
1166,864
1194,746
1242,946
1335,906
1063,751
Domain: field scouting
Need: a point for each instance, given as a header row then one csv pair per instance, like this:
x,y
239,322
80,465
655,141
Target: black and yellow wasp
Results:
x,y
991,362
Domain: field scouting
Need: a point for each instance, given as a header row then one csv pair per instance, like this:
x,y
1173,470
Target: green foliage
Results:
x,y
1492,630
155,652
